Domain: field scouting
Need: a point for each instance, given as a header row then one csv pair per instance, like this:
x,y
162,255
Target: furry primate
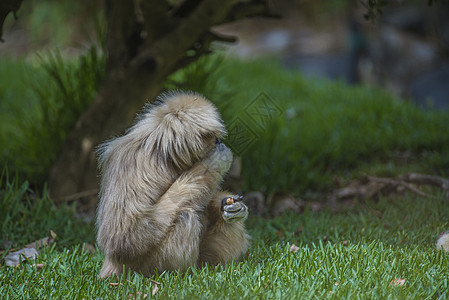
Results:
x,y
443,241
160,204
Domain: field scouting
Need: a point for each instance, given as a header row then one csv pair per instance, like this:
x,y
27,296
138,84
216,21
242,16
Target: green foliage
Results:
x,y
322,129
62,91
352,254
203,77
26,217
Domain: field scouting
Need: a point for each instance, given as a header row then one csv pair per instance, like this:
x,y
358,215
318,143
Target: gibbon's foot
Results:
x,y
233,209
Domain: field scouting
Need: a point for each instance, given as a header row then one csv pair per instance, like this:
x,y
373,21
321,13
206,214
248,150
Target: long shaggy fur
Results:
x,y
160,208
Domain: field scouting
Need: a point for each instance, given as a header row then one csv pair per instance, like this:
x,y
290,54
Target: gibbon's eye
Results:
x,y
217,141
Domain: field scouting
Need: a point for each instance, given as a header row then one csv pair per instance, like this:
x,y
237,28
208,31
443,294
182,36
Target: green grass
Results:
x,y
26,216
351,254
377,251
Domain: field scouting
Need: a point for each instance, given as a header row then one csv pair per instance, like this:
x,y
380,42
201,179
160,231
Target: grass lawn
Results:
x,y
352,254
325,130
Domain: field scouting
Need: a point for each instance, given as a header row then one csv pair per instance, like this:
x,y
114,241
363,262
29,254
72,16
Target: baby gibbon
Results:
x,y
160,205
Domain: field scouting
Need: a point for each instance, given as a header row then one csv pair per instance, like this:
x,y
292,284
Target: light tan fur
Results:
x,y
443,241
160,205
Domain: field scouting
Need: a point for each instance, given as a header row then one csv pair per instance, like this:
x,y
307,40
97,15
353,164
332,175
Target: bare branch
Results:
x,y
396,183
427,179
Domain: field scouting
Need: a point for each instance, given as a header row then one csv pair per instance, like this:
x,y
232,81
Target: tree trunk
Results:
x,y
111,113
145,44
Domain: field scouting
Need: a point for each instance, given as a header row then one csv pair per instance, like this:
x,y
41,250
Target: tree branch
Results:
x,y
6,7
427,179
185,34
157,21
203,47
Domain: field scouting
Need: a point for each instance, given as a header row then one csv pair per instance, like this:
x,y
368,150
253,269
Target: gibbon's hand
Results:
x,y
233,209
219,159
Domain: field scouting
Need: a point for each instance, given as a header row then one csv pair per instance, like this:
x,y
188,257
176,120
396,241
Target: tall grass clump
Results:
x,y
61,93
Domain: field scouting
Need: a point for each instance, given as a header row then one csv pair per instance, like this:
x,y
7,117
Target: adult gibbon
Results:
x,y
160,205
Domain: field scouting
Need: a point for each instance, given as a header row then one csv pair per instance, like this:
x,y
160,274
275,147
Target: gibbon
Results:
x,y
160,205
443,241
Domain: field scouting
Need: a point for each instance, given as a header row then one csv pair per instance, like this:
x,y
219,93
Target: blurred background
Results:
x,y
357,91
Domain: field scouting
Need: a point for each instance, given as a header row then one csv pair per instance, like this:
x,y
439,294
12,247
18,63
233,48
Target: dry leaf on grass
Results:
x,y
89,248
155,289
115,283
38,266
15,258
30,251
46,241
294,248
397,282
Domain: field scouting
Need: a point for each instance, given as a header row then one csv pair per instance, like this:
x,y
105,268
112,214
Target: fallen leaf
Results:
x,y
397,282
15,258
115,283
155,289
38,266
89,248
39,243
46,241
294,248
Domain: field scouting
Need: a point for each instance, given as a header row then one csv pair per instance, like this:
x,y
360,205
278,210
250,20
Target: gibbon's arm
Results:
x,y
225,238
191,191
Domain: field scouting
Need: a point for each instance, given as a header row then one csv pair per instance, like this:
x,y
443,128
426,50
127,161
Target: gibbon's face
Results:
x,y
193,148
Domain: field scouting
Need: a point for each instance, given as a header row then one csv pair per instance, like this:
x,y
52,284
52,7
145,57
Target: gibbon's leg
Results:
x,y
225,238
170,232
109,268
180,249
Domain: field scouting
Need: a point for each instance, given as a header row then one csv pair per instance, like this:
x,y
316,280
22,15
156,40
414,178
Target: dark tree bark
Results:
x,y
6,7
146,42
